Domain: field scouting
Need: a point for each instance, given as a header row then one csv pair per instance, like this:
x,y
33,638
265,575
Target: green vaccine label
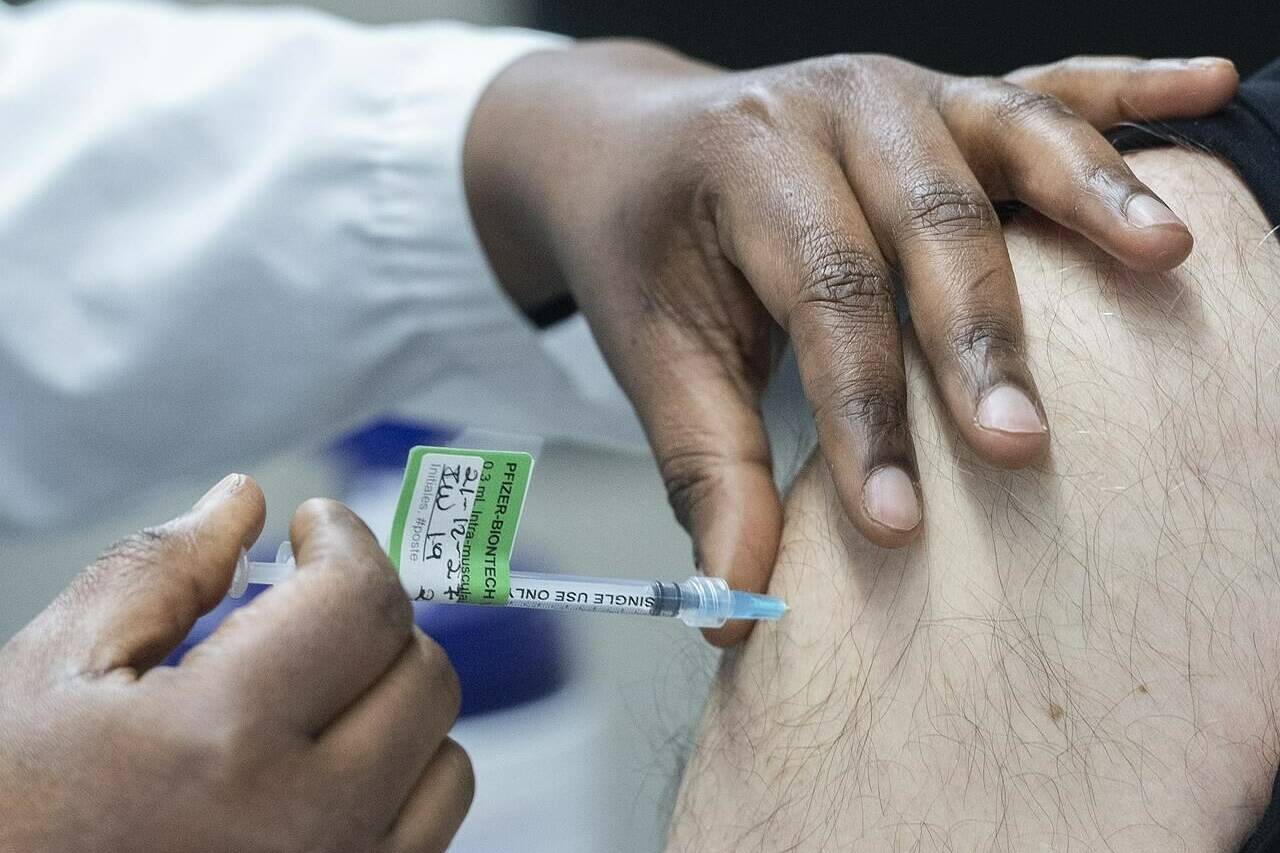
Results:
x,y
456,523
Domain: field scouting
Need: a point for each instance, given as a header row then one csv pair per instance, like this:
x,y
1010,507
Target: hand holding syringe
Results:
x,y
699,602
451,541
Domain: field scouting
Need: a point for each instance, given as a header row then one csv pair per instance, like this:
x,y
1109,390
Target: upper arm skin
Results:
x,y
1078,656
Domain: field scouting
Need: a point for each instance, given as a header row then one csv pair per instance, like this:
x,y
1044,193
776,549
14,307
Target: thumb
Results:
x,y
137,601
1108,90
713,453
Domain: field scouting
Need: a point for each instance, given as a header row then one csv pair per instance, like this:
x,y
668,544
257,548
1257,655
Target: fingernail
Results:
x,y
1145,211
890,498
1008,409
1210,62
225,487
1200,62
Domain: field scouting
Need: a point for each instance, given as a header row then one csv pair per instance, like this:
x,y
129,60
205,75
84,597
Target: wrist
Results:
x,y
501,173
549,151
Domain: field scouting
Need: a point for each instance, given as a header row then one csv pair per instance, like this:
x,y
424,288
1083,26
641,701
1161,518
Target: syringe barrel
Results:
x,y
599,595
700,602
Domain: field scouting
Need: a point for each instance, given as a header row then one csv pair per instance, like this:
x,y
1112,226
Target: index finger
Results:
x,y
307,648
1108,90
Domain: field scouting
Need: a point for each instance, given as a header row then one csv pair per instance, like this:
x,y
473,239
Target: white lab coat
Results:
x,y
228,231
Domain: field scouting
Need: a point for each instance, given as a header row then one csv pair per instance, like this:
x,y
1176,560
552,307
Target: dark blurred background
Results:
x,y
963,38
969,38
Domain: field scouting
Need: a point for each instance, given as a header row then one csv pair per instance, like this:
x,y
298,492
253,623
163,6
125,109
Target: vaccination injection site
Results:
x,y
522,426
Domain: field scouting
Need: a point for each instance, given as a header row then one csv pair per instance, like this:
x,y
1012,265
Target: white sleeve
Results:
x,y
224,232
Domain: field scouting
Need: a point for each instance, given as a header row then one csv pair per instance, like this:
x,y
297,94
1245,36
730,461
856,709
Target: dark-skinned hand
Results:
x,y
695,215
313,719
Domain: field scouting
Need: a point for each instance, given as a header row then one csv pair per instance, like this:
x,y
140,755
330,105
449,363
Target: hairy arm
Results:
x,y
1078,656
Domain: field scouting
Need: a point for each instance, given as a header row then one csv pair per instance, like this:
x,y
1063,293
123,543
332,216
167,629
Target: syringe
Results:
x,y
700,602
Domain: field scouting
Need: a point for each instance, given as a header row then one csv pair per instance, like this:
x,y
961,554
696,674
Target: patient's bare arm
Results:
x,y
1083,656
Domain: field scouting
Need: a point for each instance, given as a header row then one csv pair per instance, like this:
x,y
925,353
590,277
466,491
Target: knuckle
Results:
x,y
137,547
369,581
1048,75
1014,106
370,591
840,86
843,62
1071,71
837,276
688,475
751,104
972,336
124,562
1104,179
840,70
743,123
939,206
878,407
858,69
386,597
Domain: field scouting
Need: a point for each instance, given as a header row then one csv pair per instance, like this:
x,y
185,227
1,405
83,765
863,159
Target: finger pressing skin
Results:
x,y
703,422
382,743
435,809
930,212
807,249
1108,90
1035,149
140,598
306,649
